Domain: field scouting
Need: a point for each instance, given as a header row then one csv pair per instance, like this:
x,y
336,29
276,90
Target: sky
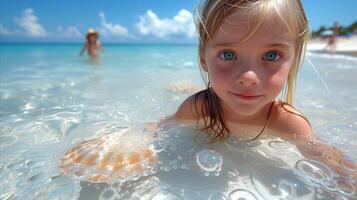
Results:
x,y
129,21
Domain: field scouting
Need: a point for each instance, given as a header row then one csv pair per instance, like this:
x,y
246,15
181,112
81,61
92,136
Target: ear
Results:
x,y
203,63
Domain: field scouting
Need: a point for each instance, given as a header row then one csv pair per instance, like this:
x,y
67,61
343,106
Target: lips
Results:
x,y
247,97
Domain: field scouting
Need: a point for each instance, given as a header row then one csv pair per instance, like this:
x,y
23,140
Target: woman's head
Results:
x,y
211,14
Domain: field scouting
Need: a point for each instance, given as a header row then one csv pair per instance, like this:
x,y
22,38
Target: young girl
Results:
x,y
249,52
247,57
92,44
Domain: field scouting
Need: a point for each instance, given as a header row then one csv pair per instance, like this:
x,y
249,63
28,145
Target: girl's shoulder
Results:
x,y
191,108
288,122
285,120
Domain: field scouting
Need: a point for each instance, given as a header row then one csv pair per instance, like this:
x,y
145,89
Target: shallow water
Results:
x,y
51,99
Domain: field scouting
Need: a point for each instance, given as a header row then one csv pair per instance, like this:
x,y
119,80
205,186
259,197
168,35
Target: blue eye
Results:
x,y
228,56
271,56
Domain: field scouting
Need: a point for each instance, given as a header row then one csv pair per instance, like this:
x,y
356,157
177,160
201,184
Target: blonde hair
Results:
x,y
210,14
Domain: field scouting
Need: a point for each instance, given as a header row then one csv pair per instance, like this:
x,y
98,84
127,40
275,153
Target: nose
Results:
x,y
247,78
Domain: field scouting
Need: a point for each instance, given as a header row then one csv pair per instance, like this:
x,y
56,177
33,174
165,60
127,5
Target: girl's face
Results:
x,y
247,76
92,38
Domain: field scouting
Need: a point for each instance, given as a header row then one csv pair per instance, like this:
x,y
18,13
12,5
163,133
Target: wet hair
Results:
x,y
210,14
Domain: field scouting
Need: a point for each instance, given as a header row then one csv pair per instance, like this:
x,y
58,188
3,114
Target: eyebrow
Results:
x,y
282,44
278,44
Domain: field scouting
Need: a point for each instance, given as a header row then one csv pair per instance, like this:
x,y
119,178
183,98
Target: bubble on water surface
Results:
x,y
241,194
108,194
279,145
159,145
315,171
209,160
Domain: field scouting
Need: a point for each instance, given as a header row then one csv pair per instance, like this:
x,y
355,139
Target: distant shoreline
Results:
x,y
347,53
79,43
345,46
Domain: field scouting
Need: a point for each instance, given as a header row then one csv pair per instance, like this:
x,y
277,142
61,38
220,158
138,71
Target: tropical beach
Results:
x,y
345,45
80,98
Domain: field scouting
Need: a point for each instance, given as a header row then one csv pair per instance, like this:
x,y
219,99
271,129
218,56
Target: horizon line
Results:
x,y
104,43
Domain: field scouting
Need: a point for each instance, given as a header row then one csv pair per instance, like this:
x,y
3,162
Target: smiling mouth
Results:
x,y
247,97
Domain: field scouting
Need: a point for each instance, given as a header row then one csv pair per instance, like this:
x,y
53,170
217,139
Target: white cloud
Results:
x,y
108,28
3,30
29,23
182,23
69,32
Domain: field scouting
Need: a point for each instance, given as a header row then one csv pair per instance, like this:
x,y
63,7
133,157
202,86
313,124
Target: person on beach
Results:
x,y
332,41
92,44
249,53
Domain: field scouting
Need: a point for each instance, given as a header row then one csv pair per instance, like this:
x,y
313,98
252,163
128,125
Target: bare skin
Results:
x,y
283,123
92,46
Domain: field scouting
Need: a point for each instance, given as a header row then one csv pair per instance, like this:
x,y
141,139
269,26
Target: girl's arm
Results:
x,y
315,149
297,130
290,125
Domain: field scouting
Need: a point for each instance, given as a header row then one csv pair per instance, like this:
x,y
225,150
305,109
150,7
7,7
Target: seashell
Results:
x,y
116,156
184,87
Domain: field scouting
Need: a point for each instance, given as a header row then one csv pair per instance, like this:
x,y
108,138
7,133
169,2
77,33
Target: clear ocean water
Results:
x,y
51,99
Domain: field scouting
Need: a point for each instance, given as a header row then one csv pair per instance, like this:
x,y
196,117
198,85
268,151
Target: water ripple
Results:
x,y
62,187
165,194
346,186
63,122
277,182
7,140
315,171
218,196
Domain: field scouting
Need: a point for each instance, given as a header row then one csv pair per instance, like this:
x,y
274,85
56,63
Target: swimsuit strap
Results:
x,y
266,122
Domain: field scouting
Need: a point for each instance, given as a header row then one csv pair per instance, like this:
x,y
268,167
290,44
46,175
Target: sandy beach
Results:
x,y
347,46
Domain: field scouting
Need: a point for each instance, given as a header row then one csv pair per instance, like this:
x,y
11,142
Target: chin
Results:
x,y
246,110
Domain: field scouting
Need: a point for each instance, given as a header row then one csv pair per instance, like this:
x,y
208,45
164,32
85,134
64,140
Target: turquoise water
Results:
x,y
51,99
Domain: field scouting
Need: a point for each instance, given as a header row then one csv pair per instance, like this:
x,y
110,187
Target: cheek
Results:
x,y
219,72
278,78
